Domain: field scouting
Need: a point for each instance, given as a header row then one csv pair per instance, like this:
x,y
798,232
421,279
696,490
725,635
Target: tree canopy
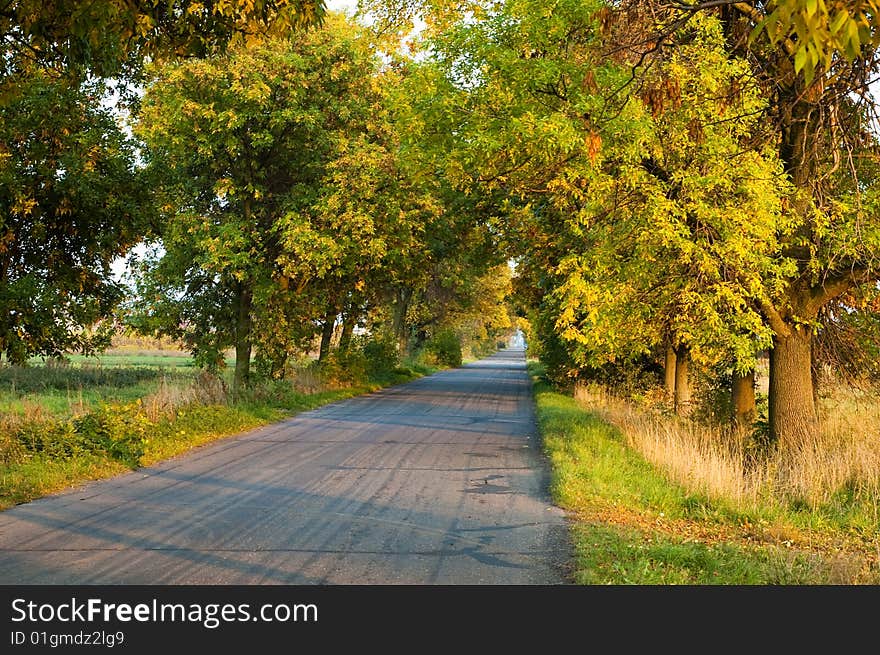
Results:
x,y
241,165
108,37
674,174
72,197
680,185
71,201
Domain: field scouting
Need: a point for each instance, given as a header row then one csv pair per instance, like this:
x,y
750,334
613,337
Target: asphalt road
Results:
x,y
439,481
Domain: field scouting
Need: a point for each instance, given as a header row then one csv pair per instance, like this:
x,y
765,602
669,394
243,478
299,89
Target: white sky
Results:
x,y
347,6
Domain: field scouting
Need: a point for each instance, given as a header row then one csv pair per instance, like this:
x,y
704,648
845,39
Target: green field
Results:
x,y
82,383
152,360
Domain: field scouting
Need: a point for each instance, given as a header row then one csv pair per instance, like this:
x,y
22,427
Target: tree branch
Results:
x,y
835,285
777,323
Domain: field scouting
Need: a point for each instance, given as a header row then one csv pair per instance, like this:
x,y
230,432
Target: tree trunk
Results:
x,y
669,373
815,376
401,305
792,411
243,345
743,393
327,335
682,382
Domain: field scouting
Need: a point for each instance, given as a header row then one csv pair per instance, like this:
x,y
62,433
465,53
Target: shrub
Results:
x,y
445,348
380,353
332,371
53,438
11,449
115,430
353,361
122,431
712,400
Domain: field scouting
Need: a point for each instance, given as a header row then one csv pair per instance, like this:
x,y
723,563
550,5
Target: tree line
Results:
x,y
264,169
682,185
686,185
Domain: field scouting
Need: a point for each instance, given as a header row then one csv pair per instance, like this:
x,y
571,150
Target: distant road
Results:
x,y
439,481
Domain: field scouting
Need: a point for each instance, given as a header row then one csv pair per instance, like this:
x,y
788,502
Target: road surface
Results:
x,y
439,481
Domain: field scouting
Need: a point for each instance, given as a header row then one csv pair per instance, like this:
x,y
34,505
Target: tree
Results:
x,y
71,198
814,63
639,207
242,144
484,317
679,240
427,242
371,198
71,201
111,37
814,34
549,88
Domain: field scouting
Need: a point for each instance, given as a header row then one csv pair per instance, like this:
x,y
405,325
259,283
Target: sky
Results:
x,y
347,6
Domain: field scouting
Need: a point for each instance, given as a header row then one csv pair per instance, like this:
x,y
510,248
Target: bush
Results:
x,y
55,439
12,450
712,401
117,431
365,359
121,431
380,353
343,367
444,348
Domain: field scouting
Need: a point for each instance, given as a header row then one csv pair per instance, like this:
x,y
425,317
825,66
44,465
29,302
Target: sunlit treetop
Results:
x,y
815,33
109,36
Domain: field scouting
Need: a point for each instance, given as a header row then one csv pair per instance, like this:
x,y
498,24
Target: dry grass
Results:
x,y
843,457
306,379
209,389
612,464
712,462
127,343
206,389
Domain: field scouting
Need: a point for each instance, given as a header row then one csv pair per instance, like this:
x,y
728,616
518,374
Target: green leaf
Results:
x,y
800,58
838,22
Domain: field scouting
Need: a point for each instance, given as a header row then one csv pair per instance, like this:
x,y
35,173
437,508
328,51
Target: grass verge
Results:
x,y
632,525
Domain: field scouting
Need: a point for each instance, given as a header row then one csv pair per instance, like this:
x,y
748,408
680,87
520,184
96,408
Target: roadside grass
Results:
x,y
200,424
62,426
632,523
829,481
40,475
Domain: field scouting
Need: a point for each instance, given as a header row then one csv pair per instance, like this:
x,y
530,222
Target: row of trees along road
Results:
x,y
680,182
266,165
71,197
683,182
288,200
